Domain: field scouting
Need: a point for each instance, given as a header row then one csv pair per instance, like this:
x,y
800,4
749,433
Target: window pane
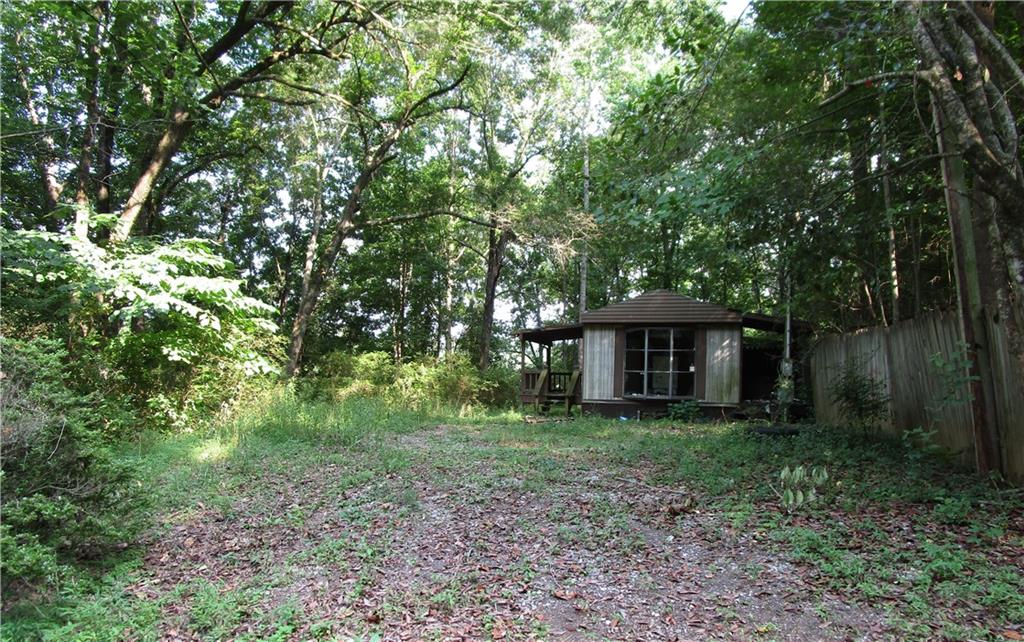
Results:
x,y
682,360
633,384
634,359
683,385
659,360
658,339
683,339
635,339
658,383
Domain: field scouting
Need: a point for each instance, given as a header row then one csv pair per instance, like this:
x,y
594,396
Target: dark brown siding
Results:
x,y
700,361
650,408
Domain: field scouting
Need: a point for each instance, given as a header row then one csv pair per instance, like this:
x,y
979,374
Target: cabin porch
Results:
x,y
542,384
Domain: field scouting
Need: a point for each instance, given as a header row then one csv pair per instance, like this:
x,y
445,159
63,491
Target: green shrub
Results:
x,y
687,410
65,498
340,375
799,487
952,510
376,368
861,398
944,562
426,383
452,381
169,322
502,386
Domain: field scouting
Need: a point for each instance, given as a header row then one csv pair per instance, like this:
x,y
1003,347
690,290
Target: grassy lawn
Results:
x,y
306,521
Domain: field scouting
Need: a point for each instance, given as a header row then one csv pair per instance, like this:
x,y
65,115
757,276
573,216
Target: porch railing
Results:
x,y
528,381
544,387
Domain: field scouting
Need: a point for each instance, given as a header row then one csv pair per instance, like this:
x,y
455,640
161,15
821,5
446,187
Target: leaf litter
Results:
x,y
474,541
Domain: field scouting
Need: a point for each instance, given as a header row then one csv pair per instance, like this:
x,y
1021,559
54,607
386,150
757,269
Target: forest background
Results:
x,y
201,201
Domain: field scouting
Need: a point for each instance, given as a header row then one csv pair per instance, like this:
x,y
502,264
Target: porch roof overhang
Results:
x,y
771,323
549,334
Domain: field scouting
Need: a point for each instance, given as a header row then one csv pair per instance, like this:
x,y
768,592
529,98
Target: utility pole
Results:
x,y
894,275
586,204
586,210
785,384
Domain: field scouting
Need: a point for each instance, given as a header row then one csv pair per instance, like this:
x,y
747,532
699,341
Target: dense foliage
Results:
x,y
452,383
168,322
366,197
65,497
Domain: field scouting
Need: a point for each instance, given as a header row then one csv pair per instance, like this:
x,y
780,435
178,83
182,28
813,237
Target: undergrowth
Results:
x,y
893,526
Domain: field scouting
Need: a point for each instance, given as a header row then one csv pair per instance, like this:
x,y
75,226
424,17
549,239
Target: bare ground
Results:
x,y
478,541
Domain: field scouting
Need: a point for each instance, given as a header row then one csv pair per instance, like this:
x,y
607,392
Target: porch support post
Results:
x,y
522,359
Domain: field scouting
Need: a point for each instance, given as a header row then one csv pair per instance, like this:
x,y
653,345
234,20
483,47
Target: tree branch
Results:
x,y
893,169
472,249
411,114
243,25
1001,57
871,81
257,95
414,217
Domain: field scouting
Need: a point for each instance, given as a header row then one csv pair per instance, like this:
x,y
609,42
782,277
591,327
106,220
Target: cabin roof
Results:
x,y
551,333
657,307
662,306
771,323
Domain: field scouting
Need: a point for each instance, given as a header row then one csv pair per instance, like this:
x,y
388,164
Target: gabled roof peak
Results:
x,y
662,306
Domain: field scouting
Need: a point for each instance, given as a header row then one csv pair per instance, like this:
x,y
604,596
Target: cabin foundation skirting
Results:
x,y
650,408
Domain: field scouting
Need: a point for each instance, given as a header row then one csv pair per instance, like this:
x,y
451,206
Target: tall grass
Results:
x,y
279,416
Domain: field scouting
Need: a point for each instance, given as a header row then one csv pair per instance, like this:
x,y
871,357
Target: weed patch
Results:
x,y
315,520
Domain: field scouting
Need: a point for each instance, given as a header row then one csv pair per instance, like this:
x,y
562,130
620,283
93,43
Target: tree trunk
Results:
x,y
444,329
52,188
308,267
863,204
982,124
345,226
180,122
668,251
446,341
222,227
986,438
113,72
347,223
1010,308
104,194
914,231
894,279
984,129
81,227
497,243
398,331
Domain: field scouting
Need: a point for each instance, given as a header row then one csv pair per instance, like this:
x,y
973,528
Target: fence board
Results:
x,y
901,358
1008,384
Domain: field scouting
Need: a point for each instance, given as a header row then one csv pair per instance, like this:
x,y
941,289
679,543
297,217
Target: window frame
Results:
x,y
647,371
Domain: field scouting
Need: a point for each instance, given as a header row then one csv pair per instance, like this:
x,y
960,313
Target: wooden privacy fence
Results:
x,y
901,358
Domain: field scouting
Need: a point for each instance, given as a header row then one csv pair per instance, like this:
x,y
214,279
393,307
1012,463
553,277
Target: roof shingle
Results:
x,y
662,306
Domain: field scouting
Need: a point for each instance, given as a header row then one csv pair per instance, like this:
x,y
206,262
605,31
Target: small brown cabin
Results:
x,y
642,354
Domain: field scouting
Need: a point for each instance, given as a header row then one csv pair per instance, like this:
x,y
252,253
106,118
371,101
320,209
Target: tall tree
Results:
x,y
383,109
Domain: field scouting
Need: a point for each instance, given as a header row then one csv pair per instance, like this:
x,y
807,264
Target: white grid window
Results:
x,y
659,363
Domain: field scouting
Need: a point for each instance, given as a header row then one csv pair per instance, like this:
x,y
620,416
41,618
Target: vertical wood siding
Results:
x,y
598,362
900,358
722,380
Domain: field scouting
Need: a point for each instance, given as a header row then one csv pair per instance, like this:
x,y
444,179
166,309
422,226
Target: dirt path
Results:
x,y
476,541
